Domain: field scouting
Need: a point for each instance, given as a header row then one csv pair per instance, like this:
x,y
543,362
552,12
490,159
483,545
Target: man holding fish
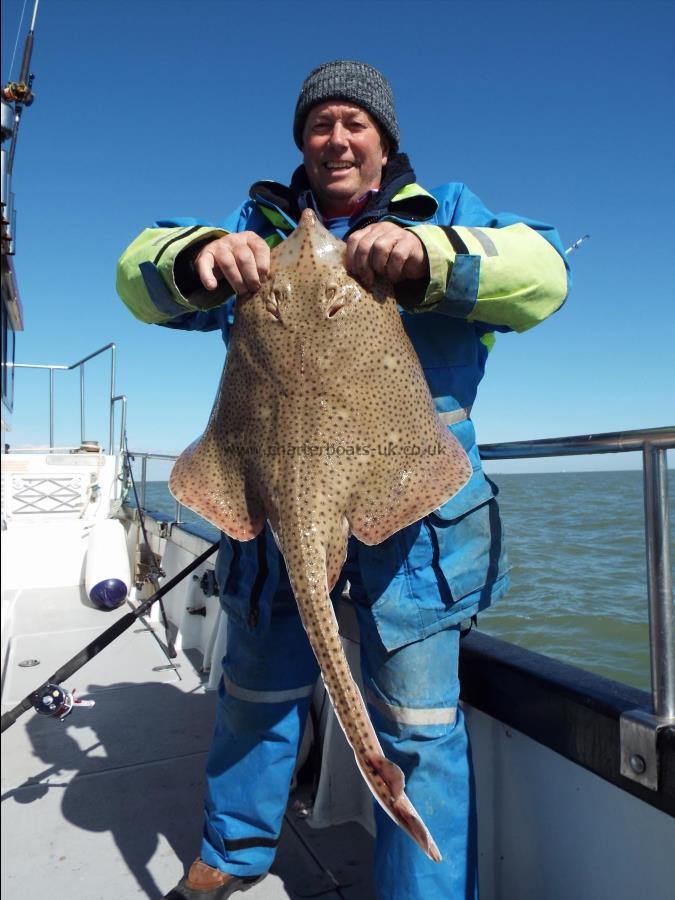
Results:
x,y
459,275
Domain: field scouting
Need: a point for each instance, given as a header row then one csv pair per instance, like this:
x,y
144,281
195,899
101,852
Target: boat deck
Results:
x,y
107,804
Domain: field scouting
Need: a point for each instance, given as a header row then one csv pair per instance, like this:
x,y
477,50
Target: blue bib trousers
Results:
x,y
412,695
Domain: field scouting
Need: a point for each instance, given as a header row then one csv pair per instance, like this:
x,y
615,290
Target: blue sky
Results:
x,y
152,108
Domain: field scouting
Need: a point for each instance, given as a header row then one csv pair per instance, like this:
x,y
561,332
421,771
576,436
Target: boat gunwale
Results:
x,y
573,712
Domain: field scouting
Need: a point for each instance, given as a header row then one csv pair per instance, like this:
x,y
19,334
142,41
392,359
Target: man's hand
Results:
x,y
386,249
242,259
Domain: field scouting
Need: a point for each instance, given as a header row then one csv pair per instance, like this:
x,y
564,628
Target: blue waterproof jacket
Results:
x,y
488,273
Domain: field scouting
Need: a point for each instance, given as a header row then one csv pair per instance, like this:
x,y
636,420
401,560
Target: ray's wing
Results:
x,y
405,488
217,489
415,464
215,476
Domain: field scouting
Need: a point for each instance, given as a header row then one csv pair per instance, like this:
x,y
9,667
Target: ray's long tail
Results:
x,y
384,778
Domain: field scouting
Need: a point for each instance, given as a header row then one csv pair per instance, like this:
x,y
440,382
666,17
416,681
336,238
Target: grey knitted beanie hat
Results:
x,y
357,82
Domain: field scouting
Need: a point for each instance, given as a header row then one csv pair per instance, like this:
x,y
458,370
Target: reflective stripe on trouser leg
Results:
x,y
413,695
438,785
264,698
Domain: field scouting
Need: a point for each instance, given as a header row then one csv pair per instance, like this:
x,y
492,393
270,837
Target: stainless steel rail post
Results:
x,y
82,428
51,409
120,398
659,584
112,396
144,478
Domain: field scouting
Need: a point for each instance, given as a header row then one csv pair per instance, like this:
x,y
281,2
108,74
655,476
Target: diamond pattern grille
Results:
x,y
44,494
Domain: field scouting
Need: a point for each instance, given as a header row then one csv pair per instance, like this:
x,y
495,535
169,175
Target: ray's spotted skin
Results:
x,y
323,424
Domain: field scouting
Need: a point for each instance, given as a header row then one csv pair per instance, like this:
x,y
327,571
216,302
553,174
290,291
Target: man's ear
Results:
x,y
386,147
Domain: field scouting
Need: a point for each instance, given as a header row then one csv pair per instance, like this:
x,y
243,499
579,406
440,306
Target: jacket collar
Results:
x,y
398,195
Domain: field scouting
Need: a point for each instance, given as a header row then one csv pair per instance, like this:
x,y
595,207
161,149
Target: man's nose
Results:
x,y
338,135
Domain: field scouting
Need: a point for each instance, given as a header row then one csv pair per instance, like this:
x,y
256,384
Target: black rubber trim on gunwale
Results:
x,y
571,711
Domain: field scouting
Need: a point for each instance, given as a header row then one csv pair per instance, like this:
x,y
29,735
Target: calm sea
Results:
x,y
577,548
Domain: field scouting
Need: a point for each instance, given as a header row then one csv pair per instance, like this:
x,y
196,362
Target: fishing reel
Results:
x,y
19,92
56,702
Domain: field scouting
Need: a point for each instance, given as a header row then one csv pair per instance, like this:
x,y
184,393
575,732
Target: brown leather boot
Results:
x,y
203,882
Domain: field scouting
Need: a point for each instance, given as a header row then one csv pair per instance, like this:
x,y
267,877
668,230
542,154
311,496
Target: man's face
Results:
x,y
344,155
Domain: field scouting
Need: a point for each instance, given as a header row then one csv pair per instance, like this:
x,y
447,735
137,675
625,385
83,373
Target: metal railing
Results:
x,y
653,443
144,457
114,398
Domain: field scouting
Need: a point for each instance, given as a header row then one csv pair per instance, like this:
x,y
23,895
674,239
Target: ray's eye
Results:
x,y
335,298
272,303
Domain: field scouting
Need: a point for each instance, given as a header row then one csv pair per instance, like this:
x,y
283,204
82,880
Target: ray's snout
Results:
x,y
308,218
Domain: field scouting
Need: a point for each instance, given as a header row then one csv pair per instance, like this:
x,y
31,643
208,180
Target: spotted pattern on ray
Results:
x,y
323,424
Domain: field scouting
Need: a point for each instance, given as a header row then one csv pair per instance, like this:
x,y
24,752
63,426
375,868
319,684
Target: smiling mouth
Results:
x,y
335,166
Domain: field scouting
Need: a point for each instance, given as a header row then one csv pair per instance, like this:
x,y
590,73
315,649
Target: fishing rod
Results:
x,y
577,244
50,698
20,92
15,96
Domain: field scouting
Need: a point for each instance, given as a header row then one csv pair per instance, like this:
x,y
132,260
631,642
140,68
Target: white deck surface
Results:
x,y
107,805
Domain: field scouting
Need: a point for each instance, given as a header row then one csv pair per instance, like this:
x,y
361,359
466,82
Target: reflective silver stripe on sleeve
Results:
x,y
168,237
483,240
240,693
455,415
407,715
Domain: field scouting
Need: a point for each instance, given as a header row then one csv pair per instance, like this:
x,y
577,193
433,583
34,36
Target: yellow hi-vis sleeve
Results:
x,y
145,279
510,276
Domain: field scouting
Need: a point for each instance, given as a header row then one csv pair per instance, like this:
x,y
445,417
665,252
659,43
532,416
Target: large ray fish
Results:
x,y
323,424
